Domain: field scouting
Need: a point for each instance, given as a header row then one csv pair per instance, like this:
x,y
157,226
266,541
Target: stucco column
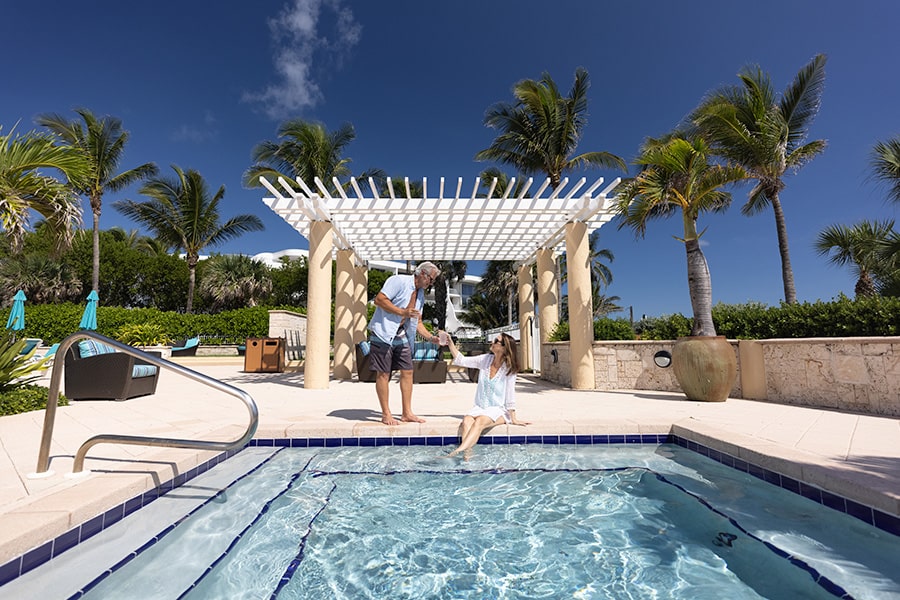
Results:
x,y
548,302
361,287
526,314
581,312
317,369
344,293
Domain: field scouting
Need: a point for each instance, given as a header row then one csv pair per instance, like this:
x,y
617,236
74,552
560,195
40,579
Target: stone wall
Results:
x,y
282,321
858,374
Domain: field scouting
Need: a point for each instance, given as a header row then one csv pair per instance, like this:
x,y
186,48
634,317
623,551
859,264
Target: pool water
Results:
x,y
526,521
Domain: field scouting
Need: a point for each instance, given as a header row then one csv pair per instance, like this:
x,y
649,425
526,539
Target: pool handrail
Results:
x,y
56,375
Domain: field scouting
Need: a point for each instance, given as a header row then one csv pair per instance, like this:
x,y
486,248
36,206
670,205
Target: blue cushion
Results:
x,y
426,351
143,371
364,347
88,348
188,344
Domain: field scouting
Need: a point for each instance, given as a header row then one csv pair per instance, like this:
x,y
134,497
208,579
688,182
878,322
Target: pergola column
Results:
x,y
344,294
548,302
360,296
526,315
581,313
318,309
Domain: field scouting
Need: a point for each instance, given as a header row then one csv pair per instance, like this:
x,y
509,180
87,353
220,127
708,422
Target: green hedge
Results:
x,y
54,322
26,399
843,317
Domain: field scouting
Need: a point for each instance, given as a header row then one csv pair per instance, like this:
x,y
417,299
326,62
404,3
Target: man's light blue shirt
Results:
x,y
384,325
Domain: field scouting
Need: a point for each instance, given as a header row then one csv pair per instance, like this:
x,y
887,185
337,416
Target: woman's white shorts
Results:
x,y
494,412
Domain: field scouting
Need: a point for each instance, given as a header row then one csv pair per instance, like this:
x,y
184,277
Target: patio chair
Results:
x,y
429,365
186,347
96,371
363,369
31,344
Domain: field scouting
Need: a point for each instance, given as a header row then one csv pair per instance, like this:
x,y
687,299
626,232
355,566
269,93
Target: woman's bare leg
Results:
x,y
470,437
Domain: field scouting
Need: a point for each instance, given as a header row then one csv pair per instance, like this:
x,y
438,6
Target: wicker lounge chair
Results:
x,y
94,371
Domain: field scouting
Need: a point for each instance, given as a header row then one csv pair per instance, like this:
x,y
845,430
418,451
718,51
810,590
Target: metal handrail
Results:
x,y
50,415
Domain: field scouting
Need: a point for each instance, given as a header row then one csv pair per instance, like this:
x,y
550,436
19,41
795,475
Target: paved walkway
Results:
x,y
852,455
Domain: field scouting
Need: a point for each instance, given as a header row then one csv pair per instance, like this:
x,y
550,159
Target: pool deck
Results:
x,y
854,456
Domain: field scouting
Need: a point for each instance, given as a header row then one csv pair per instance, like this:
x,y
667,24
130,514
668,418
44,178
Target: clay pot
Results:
x,y
705,367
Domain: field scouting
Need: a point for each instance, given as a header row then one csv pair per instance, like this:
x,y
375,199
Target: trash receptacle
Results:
x,y
264,355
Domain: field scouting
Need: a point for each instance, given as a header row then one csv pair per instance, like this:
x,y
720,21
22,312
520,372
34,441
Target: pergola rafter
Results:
x,y
446,226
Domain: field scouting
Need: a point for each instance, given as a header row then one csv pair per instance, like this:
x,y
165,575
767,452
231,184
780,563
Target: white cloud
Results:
x,y
300,45
197,134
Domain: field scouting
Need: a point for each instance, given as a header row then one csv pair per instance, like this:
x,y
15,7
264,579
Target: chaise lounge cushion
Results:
x,y
107,375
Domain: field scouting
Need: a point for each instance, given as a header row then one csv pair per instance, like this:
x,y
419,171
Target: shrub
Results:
x,y
26,399
143,334
16,369
604,329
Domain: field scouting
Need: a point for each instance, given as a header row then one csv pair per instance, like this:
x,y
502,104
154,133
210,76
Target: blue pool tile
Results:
x,y
534,439
417,441
833,588
299,443
883,521
550,439
792,485
813,493
89,528
500,440
772,477
434,440
37,557
113,515
149,496
401,441
583,440
681,441
741,465
715,455
567,439
599,439
10,570
264,443
65,541
649,438
282,443
316,442
756,471
517,439
367,442
860,511
617,439
450,440
178,481
834,501
354,442
384,441
165,487
632,439
332,442
726,459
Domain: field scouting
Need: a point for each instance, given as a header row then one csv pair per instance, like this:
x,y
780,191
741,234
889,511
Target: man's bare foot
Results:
x,y
389,420
411,418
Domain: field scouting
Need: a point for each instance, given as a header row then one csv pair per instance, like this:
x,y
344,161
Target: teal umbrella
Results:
x,y
16,321
89,318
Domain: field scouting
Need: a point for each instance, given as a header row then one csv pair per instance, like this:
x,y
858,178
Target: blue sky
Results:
x,y
198,84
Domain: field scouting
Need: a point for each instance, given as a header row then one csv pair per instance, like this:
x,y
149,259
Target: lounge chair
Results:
x,y
31,344
96,371
363,370
186,347
429,365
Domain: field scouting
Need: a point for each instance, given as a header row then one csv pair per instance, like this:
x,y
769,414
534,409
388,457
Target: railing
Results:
x,y
56,375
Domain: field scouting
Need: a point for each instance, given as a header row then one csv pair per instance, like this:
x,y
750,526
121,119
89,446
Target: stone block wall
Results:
x,y
855,374
281,321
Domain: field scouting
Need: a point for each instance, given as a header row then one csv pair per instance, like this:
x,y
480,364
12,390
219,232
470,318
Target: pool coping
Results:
x,y
814,482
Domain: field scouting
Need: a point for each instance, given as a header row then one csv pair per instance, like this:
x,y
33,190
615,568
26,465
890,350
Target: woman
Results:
x,y
495,396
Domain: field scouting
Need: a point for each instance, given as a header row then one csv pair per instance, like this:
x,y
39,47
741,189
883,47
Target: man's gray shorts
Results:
x,y
385,358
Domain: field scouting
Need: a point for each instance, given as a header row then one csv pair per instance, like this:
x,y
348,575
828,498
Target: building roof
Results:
x,y
446,222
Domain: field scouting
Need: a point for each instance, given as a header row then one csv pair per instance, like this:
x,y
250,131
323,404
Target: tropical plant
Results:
x,y
290,281
677,176
766,136
886,166
860,247
143,334
16,369
181,213
484,312
234,280
539,133
102,141
42,278
603,304
25,187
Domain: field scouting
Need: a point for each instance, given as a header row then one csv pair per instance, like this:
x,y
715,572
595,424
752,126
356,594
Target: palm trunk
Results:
x,y
787,274
95,264
192,276
699,283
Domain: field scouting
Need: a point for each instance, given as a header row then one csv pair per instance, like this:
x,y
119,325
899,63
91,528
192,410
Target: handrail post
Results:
x,y
50,413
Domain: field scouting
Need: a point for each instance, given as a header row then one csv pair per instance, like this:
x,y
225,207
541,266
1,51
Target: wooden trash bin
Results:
x,y
264,355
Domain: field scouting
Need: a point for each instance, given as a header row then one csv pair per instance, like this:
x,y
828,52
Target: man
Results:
x,y
393,329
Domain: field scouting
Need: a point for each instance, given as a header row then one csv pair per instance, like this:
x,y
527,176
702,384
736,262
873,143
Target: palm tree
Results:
x,y
43,279
307,150
886,166
677,176
766,136
181,213
451,270
500,284
24,187
859,246
541,130
603,304
233,281
601,274
103,143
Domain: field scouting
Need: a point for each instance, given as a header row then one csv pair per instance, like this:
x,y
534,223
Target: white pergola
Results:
x,y
355,224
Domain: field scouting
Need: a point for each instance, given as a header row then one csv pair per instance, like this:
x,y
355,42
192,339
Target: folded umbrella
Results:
x,y
89,317
16,321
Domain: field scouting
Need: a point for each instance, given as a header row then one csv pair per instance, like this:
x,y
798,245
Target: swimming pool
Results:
x,y
544,521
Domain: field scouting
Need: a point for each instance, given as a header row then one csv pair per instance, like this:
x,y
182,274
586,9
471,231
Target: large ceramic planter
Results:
x,y
705,367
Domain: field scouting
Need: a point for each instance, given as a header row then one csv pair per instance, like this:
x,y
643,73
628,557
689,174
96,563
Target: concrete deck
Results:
x,y
855,456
